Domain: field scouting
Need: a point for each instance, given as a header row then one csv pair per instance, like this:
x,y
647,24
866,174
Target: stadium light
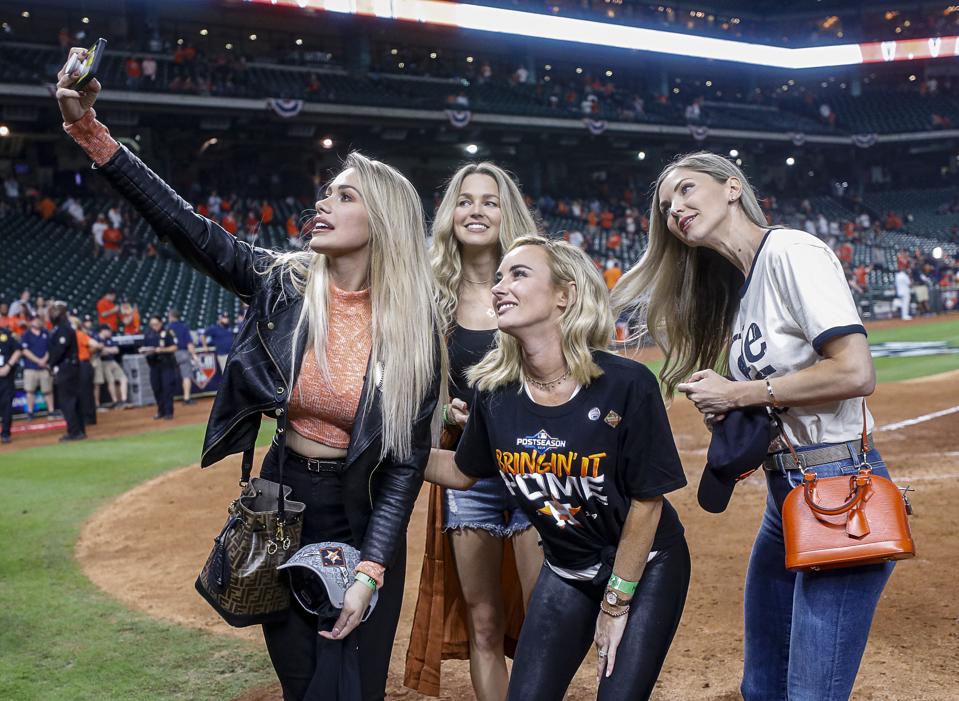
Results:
x,y
327,143
228,46
641,155
937,252
739,161
541,26
253,37
469,59
4,130
25,14
204,32
733,153
790,161
299,42
471,149
85,20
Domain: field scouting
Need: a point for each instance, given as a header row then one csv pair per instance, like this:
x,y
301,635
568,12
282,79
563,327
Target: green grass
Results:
x,y
60,636
895,369
947,330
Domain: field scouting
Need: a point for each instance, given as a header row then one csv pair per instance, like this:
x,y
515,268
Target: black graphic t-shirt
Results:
x,y
573,468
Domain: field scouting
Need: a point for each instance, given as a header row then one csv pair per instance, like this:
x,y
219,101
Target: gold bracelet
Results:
x,y
613,611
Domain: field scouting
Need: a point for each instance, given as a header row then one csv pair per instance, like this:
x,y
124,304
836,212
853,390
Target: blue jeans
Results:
x,y
805,631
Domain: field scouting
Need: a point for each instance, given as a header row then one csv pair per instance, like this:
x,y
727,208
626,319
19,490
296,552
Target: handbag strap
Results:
x,y
246,467
280,460
864,442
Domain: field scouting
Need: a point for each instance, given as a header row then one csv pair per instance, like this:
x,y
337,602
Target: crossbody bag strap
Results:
x,y
280,460
865,436
782,432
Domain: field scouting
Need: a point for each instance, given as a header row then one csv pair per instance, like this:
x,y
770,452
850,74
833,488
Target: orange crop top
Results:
x,y
324,411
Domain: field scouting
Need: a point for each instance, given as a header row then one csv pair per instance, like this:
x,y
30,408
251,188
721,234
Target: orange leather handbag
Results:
x,y
847,521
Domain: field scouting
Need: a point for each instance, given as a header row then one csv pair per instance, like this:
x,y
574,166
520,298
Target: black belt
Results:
x,y
850,450
334,465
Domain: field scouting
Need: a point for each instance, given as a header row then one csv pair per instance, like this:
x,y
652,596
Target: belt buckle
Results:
x,y
313,465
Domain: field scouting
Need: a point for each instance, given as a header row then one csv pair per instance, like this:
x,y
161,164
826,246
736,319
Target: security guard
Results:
x,y
159,347
9,357
65,364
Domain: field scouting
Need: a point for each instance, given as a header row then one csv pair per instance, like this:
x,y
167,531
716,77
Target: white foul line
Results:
x,y
918,419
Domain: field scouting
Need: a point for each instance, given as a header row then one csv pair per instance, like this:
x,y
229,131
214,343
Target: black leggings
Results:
x,y
292,643
561,621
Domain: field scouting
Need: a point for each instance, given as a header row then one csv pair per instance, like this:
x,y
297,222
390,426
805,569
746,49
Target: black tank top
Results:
x,y
466,347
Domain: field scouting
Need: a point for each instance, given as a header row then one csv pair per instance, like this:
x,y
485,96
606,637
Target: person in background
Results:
x,y
87,346
97,230
108,312
185,352
22,302
110,372
35,344
221,335
65,364
612,273
904,293
130,317
159,347
9,357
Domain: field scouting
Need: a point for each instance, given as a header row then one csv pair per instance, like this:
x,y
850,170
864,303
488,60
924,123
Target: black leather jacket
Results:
x,y
379,494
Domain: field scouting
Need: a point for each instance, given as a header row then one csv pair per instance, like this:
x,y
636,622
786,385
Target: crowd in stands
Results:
x,y
603,92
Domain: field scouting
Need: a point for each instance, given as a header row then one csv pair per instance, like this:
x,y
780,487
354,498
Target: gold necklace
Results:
x,y
547,385
477,282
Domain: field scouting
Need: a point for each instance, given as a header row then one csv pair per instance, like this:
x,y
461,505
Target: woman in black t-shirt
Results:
x,y
581,439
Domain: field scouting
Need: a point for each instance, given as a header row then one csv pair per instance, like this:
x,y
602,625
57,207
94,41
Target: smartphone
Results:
x,y
89,66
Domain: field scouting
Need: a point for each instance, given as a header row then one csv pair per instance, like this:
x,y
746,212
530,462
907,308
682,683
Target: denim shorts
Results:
x,y
487,505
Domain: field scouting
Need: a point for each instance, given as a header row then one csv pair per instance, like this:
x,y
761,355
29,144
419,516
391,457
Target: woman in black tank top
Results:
x,y
482,211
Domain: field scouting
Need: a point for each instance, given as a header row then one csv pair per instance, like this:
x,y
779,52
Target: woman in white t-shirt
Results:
x,y
717,283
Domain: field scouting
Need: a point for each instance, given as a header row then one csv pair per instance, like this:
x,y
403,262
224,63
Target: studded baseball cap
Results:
x,y
320,574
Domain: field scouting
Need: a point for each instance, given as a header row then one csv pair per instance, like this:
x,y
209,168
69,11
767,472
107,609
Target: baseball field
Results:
x,y
101,542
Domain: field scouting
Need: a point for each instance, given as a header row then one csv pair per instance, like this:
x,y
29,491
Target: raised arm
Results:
x,y
203,243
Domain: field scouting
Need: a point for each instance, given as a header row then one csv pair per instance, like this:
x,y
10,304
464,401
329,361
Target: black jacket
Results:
x,y
379,495
64,354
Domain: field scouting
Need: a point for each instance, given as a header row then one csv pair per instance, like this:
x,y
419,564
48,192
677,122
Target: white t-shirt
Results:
x,y
98,229
795,300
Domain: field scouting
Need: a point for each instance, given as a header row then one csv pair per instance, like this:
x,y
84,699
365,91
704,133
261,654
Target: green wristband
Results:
x,y
366,579
623,585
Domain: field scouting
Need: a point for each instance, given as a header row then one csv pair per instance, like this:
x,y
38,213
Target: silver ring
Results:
x,y
601,653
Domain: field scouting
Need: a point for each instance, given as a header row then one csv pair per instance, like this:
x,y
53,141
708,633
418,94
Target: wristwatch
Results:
x,y
613,598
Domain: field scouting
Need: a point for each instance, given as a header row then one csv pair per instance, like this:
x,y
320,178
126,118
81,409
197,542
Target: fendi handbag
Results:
x,y
845,521
262,531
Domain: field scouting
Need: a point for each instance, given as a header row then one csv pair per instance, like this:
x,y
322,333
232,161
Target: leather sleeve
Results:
x,y
204,244
399,487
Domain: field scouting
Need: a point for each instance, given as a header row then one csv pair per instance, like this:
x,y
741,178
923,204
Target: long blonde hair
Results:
x,y
446,256
686,298
586,323
405,325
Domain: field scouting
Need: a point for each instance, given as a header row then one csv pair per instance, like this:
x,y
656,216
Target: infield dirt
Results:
x,y
913,652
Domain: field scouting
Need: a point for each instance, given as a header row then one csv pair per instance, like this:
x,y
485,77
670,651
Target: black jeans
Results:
x,y
163,379
292,643
561,621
